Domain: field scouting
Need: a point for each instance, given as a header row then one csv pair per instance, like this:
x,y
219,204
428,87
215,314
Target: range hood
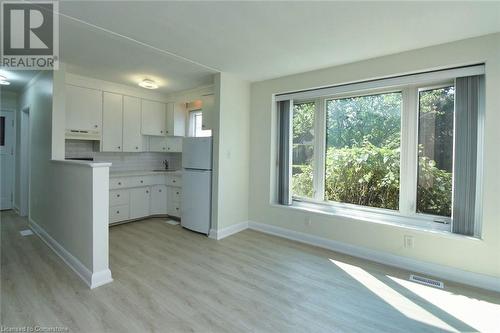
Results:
x,y
83,135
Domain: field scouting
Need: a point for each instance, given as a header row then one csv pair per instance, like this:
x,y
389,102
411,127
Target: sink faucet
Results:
x,y
165,163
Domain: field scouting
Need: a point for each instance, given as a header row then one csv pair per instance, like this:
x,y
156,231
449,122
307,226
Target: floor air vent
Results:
x,y
26,232
426,281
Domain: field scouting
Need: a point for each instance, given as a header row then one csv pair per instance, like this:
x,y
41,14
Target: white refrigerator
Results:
x,y
196,207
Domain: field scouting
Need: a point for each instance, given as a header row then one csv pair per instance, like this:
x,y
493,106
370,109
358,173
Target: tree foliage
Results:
x,y
362,162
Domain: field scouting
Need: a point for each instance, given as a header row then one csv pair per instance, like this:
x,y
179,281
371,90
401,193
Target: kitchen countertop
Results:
x,y
143,173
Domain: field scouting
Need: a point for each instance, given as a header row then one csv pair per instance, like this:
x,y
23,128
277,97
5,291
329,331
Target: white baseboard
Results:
x,y
440,271
93,280
228,231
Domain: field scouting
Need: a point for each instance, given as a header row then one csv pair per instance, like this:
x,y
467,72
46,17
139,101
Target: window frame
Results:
x,y
192,122
406,213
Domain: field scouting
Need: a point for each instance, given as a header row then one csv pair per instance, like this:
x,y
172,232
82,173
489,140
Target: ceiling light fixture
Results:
x,y
148,84
3,81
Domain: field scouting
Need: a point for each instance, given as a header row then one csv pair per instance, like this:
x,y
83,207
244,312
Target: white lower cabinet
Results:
x,y
174,201
158,202
118,213
136,197
139,202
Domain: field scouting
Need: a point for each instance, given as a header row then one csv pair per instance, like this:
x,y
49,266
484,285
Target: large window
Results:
x,y
435,150
303,149
388,151
363,135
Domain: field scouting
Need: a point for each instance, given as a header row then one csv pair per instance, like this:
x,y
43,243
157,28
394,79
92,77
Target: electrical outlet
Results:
x,y
408,242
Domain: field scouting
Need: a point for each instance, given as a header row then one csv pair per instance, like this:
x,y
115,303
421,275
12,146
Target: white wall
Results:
x,y
231,152
68,200
466,254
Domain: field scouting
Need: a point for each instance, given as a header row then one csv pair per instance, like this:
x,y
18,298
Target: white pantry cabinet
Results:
x,y
139,202
83,109
112,122
176,119
154,118
208,110
133,140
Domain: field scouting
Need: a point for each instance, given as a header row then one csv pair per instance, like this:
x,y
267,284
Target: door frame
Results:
x,y
14,142
24,164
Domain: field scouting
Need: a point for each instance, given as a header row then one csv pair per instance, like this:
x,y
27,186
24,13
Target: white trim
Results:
x,y
387,82
228,231
93,280
431,269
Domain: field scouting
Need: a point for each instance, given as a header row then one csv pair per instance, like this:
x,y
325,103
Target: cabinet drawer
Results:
x,y
174,194
118,197
118,213
117,183
174,209
174,181
139,181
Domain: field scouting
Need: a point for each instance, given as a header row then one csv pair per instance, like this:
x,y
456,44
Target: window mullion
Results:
x,y
409,151
319,150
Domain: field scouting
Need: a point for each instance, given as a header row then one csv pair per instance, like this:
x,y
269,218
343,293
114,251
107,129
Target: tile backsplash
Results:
x,y
123,161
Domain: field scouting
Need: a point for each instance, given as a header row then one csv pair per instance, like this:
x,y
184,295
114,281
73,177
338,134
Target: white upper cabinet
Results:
x,y
112,122
133,140
83,109
158,144
208,110
165,145
153,117
176,119
174,145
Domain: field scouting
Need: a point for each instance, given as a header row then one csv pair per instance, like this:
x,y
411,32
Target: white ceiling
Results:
x,y
18,79
255,40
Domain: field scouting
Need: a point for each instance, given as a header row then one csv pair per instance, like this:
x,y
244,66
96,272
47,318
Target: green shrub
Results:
x,y
368,175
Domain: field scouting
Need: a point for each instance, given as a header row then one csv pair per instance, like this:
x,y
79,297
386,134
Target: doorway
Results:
x,y
7,158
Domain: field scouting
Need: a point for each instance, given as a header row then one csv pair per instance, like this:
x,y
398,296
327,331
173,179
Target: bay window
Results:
x,y
389,149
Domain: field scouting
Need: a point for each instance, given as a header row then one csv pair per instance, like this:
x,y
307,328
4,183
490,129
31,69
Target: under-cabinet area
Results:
x,y
136,195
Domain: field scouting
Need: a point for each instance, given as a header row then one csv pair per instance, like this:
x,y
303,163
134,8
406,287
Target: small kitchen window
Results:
x,y
195,124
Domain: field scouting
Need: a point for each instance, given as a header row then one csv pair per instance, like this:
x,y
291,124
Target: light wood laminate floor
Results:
x,y
167,279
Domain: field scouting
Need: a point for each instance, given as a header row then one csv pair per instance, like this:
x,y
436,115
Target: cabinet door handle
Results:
x,y
173,181
177,192
161,132
142,181
117,195
95,126
117,212
119,183
176,208
136,147
119,147
163,148
159,190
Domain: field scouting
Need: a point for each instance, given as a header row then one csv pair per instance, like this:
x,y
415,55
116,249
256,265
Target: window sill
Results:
x,y
416,223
